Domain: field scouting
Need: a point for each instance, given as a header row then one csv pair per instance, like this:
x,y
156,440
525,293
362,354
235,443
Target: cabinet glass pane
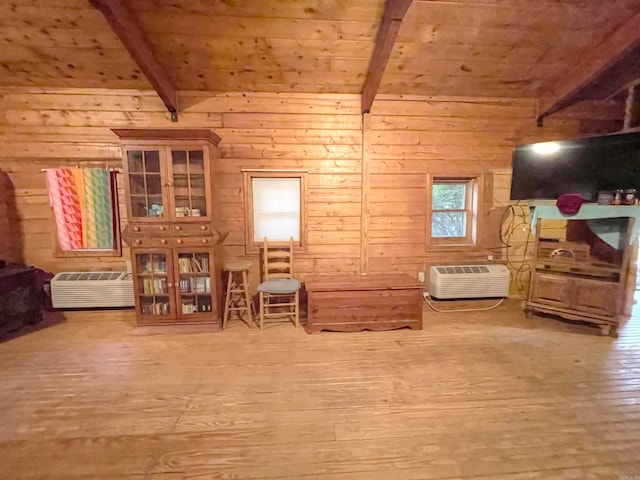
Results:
x,y
194,283
145,183
152,284
189,183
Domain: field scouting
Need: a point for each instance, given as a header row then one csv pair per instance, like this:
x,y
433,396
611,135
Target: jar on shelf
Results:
x,y
617,197
629,197
605,198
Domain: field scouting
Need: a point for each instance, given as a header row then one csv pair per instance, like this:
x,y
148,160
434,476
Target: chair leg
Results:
x,y
261,310
247,297
227,301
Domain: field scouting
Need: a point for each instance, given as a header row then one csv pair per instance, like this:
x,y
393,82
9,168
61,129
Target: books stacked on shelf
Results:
x,y
185,285
193,308
204,262
155,265
189,308
203,284
195,285
193,264
152,286
155,308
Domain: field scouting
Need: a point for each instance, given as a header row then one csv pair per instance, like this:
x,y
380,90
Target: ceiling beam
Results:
x,y
592,68
394,11
125,27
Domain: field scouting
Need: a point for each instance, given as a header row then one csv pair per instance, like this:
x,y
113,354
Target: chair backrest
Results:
x,y
277,260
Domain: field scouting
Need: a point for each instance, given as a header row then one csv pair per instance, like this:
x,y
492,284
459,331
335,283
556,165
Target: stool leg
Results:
x,y
261,310
227,300
247,297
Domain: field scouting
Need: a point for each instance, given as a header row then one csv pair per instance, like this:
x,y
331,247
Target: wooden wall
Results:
x,y
366,175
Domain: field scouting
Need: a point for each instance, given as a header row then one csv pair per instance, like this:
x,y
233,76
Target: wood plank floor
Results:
x,y
489,395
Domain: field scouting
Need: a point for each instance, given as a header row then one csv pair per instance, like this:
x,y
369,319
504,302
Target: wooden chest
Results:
x,y
350,303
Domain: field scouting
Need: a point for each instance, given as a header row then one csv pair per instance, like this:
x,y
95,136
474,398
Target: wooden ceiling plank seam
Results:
x,y
394,11
125,27
595,64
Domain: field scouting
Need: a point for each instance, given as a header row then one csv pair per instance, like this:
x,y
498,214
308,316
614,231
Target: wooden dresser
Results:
x,y
350,303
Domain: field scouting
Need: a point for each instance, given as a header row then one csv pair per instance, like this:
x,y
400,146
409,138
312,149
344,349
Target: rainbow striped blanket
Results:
x,y
83,204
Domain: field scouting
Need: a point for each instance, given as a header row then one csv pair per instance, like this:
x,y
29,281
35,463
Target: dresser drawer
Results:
x,y
160,229
192,242
191,229
151,242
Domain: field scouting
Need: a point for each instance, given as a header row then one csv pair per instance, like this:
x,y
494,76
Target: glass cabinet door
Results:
x,y
145,183
189,183
152,283
195,282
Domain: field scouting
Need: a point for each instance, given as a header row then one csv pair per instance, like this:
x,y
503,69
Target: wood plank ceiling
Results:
x,y
493,48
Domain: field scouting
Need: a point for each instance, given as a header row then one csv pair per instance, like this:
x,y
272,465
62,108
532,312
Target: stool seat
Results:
x,y
237,298
236,265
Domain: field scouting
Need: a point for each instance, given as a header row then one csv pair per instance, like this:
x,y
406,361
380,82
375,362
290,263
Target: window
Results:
x,y
453,210
274,207
84,207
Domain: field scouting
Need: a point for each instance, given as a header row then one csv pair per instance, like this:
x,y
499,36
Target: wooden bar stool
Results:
x,y
237,298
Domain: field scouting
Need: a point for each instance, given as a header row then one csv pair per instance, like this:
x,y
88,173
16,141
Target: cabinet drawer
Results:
x,y
192,242
157,242
160,229
191,229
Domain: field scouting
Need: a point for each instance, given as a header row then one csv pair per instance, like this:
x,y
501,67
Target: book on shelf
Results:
x,y
158,308
202,285
204,261
184,264
152,286
197,267
193,264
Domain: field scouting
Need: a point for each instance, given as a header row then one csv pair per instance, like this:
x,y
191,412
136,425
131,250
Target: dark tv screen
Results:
x,y
543,171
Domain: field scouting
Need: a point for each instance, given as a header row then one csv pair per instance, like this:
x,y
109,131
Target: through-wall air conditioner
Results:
x,y
92,290
469,281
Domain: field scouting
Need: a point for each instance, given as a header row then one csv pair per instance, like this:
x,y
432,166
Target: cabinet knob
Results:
x,y
178,228
162,228
136,229
163,241
169,285
203,227
204,240
179,240
138,241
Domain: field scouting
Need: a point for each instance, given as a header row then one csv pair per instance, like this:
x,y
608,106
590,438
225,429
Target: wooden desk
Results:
x,y
350,303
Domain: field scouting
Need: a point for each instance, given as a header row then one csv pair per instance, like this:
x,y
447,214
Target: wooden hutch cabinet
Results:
x,y
581,274
169,190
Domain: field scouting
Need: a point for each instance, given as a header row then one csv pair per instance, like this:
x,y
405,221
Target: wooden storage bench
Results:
x,y
350,303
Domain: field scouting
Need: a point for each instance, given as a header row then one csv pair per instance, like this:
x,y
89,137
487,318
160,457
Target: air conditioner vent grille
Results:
x,y
70,277
453,270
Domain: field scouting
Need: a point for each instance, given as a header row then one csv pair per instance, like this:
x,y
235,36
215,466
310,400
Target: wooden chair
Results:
x,y
279,291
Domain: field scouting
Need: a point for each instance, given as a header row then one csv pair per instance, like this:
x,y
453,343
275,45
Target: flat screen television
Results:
x,y
543,171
